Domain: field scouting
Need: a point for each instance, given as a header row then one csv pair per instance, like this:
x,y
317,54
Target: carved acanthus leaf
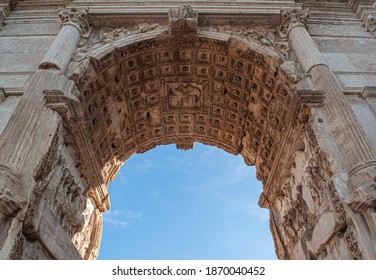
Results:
x,y
292,18
77,18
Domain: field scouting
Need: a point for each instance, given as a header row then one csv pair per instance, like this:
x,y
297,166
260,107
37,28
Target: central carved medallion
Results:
x,y
182,95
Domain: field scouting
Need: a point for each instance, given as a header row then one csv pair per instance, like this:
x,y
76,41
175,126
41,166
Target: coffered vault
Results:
x,y
111,84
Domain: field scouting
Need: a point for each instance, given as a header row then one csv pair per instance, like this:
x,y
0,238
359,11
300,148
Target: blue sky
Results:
x,y
196,204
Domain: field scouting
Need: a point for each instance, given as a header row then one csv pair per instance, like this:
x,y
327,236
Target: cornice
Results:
x,y
107,13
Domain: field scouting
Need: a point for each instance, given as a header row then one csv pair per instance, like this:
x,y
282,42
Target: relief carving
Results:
x,y
183,20
267,36
341,217
304,203
69,203
315,182
58,187
298,221
110,35
87,240
184,96
364,184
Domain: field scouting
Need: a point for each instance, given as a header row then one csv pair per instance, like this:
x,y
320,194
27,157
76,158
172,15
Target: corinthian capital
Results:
x,y
370,23
293,18
76,18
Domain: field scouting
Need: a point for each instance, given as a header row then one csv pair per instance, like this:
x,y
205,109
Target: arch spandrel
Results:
x,y
143,90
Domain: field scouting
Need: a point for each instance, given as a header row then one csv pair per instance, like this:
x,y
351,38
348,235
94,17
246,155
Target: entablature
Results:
x,y
109,13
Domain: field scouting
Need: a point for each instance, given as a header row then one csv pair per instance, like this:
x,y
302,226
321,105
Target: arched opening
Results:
x,y
144,90
196,204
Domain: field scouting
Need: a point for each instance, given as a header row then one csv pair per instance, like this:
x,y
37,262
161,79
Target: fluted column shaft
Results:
x,y
357,150
353,142
75,24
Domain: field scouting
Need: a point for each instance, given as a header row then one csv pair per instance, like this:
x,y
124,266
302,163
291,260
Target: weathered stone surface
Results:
x,y
324,229
291,91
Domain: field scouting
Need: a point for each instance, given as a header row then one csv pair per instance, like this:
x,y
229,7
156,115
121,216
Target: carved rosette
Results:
x,y
77,18
293,18
183,20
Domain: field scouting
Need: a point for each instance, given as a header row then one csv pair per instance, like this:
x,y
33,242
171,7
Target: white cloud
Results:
x,y
121,218
131,215
153,193
230,173
115,222
145,165
235,204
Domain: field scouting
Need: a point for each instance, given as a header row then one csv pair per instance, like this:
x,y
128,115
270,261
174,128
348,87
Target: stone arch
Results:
x,y
142,90
128,90
158,88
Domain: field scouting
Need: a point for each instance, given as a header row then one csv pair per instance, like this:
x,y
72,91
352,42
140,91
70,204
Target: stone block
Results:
x,y
354,81
337,30
13,81
22,53
339,62
299,252
325,228
30,29
364,62
345,45
52,236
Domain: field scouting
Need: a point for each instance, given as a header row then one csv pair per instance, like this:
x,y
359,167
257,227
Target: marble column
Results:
x,y
74,25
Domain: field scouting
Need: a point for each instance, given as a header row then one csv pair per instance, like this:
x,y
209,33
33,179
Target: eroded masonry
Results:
x,y
289,85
